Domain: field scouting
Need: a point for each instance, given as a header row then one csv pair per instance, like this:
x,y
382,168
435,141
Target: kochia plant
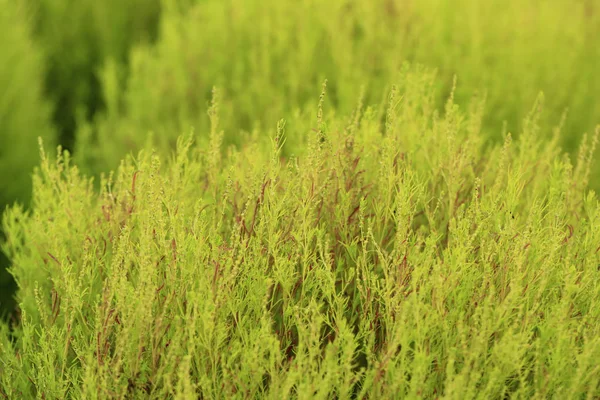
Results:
x,y
395,257
78,38
270,56
24,116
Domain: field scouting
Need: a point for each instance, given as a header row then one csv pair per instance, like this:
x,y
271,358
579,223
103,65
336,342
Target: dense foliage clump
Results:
x,y
407,234
51,55
395,254
270,57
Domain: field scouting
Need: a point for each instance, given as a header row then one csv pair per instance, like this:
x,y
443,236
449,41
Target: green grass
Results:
x,y
397,254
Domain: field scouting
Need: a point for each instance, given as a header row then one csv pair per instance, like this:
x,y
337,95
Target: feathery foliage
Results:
x,y
270,57
51,52
397,255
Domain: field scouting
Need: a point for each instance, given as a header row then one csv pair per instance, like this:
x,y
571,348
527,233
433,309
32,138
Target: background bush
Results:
x,y
78,37
270,57
24,115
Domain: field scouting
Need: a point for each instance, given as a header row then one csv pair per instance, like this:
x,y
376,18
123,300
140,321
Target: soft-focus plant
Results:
x,y
398,255
78,37
269,57
24,116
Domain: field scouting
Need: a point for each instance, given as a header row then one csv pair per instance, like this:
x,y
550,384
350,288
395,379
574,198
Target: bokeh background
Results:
x,y
104,79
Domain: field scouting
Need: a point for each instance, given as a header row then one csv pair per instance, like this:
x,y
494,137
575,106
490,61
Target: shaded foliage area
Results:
x,y
77,38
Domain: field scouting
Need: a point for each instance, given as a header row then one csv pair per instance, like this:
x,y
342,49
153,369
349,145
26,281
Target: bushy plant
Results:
x,y
269,57
24,116
78,37
396,256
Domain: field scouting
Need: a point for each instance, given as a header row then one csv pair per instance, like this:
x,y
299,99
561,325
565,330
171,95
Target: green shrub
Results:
x,y
270,57
24,115
397,256
78,37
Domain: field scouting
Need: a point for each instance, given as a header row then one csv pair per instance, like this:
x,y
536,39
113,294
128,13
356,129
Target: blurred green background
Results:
x,y
105,78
